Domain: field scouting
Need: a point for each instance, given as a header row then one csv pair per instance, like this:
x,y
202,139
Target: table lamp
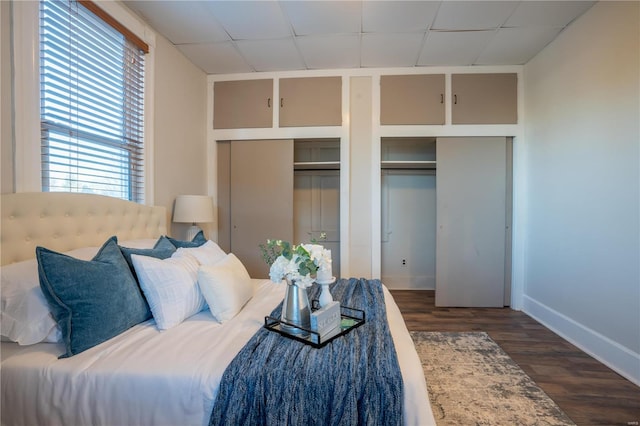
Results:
x,y
193,209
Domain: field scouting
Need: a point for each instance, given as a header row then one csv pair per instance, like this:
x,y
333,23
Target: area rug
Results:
x,y
472,381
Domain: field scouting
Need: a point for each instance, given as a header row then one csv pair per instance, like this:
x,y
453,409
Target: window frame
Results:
x,y
26,87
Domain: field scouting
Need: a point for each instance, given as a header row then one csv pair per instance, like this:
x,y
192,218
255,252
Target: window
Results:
x,y
91,103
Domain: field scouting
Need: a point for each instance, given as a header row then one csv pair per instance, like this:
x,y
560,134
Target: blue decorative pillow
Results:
x,y
163,249
92,301
197,241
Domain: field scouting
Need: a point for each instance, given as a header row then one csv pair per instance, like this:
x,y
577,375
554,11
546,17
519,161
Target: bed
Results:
x,y
142,375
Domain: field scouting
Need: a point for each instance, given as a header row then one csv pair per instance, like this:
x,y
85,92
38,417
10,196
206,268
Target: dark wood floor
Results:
x,y
588,391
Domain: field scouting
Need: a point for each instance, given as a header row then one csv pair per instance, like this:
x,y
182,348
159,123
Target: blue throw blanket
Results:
x,y
353,380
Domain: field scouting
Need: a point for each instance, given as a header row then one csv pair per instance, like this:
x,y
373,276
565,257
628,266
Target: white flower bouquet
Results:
x,y
297,263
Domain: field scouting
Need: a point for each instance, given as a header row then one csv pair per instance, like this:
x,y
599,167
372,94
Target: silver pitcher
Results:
x,y
296,310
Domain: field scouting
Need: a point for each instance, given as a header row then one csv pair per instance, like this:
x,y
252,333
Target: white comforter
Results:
x,y
148,377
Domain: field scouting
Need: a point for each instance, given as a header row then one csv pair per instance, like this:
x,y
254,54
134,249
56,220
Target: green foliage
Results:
x,y
276,248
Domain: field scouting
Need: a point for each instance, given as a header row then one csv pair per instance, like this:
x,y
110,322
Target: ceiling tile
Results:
x,y
328,51
271,55
170,16
391,50
323,17
454,47
216,58
320,34
547,13
515,46
248,20
398,16
472,15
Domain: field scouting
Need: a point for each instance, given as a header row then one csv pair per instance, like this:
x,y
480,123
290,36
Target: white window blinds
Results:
x,y
91,104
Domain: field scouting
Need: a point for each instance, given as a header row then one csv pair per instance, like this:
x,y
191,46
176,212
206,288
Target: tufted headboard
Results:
x,y
63,221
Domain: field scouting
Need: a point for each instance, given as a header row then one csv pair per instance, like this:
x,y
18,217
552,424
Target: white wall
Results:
x,y
582,250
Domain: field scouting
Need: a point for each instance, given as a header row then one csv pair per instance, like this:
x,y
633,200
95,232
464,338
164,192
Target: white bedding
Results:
x,y
150,377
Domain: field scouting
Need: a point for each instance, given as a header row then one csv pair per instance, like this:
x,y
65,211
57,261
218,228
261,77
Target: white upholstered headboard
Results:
x,y
63,221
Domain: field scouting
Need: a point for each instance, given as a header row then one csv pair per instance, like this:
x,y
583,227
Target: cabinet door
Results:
x,y
261,199
412,99
470,217
242,104
484,98
311,101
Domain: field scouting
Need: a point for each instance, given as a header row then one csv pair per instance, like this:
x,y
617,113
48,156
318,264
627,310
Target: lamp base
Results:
x,y
192,232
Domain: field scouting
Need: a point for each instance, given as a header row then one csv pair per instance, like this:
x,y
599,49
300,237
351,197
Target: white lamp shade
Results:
x,y
193,209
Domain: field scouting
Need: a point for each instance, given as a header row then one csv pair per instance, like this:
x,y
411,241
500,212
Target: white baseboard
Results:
x,y
615,356
418,282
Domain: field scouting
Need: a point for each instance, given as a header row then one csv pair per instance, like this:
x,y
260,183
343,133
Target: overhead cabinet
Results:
x,y
412,99
310,101
243,104
484,98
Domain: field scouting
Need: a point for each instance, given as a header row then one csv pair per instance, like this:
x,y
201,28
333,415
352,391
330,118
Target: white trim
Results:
x,y
369,72
376,184
212,163
149,113
345,179
27,165
519,203
617,357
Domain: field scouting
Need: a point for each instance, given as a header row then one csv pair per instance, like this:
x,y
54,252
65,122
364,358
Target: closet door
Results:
x,y
470,210
261,198
317,210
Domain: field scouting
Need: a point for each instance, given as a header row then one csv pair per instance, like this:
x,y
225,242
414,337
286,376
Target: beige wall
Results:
x,y
6,99
582,133
180,106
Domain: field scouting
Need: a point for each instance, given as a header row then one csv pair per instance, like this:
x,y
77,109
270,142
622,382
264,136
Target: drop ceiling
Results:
x,y
224,37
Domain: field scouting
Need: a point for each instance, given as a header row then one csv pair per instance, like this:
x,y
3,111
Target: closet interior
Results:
x,y
408,197
286,189
446,217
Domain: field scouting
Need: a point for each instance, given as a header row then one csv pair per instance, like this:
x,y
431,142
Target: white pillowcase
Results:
x,y
25,316
226,286
170,287
209,253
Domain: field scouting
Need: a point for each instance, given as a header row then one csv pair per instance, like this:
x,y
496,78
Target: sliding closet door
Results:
x,y
261,198
470,239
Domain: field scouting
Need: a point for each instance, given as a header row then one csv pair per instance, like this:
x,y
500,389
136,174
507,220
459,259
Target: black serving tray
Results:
x,y
352,318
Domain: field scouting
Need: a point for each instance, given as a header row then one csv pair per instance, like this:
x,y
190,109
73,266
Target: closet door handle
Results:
x,y
455,99
268,102
441,98
281,102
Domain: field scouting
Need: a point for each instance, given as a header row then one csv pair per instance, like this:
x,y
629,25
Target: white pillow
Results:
x,y
209,253
226,286
25,316
170,287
